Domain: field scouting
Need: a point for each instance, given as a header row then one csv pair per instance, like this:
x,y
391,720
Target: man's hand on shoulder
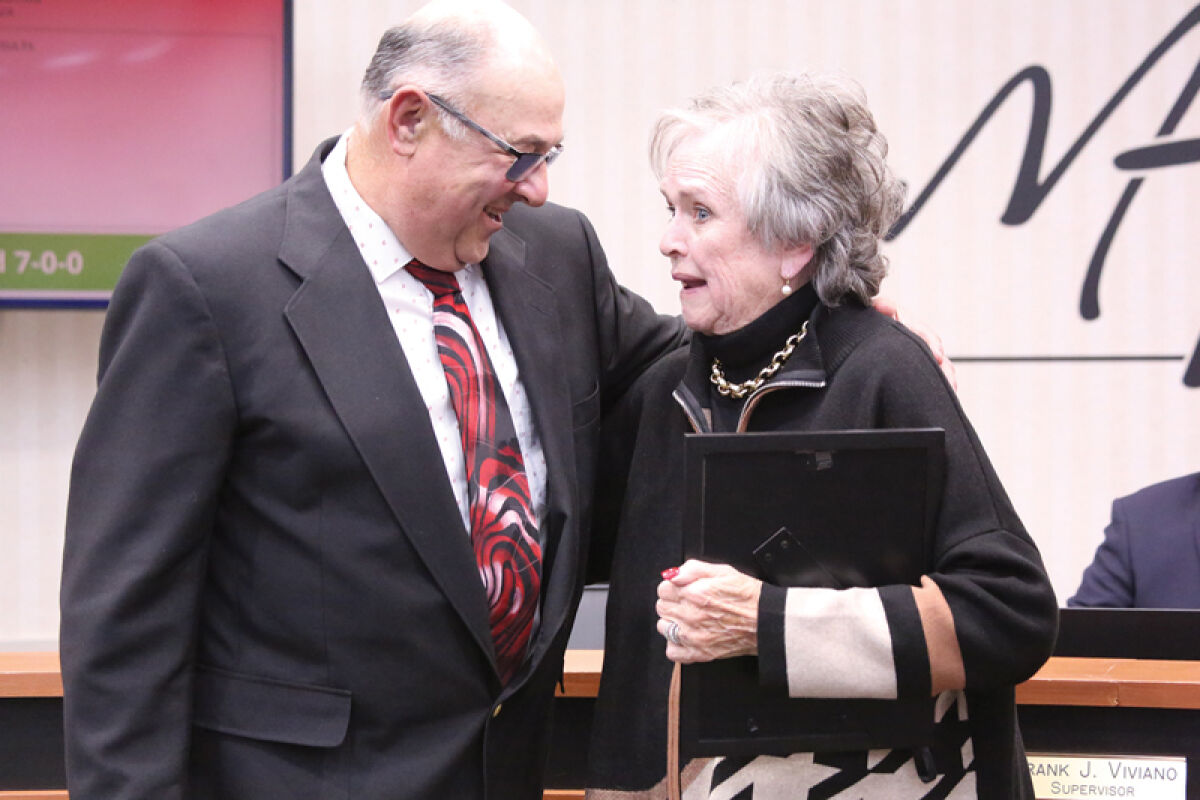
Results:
x,y
888,306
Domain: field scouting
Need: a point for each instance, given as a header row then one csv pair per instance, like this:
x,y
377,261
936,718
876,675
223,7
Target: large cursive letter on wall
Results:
x,y
1029,190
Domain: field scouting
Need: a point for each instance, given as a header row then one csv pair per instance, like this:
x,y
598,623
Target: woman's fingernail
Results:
x,y
669,573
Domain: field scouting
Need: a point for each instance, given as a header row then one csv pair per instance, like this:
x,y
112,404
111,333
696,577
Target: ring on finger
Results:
x,y
673,633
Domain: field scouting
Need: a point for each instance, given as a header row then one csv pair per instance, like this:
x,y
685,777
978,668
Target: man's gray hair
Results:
x,y
809,167
440,57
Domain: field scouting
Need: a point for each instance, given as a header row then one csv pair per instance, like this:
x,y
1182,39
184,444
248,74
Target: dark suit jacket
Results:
x,y
267,589
1150,556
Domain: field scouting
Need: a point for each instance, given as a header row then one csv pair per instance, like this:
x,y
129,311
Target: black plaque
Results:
x,y
832,509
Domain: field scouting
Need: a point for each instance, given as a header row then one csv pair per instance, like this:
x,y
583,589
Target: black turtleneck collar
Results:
x,y
750,348
745,351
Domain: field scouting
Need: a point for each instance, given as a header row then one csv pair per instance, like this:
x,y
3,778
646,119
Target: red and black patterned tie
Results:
x,y
503,526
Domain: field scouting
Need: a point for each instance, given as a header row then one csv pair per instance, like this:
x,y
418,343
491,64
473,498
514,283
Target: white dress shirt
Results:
x,y
410,308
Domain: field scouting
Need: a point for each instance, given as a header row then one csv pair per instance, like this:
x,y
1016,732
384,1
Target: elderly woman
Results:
x,y
779,197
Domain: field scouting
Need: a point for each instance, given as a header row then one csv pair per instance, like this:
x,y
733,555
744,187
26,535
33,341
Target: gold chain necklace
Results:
x,y
739,390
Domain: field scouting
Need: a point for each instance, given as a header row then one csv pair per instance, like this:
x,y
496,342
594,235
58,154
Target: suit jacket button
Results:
x,y
496,710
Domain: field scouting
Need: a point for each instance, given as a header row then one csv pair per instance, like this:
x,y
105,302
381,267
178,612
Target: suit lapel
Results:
x,y
528,311
343,328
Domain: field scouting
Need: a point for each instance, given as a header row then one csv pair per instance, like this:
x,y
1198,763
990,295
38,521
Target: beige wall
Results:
x,y
1066,436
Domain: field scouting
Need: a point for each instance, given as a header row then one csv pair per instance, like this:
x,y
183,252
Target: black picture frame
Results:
x,y
879,489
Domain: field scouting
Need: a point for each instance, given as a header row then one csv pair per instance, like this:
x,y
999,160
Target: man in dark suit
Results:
x,y
1150,556
270,588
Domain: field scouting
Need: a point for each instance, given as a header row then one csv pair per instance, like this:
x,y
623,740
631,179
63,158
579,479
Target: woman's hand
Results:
x,y
708,611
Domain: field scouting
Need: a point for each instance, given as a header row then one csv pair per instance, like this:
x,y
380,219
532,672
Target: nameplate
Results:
x,y
1090,777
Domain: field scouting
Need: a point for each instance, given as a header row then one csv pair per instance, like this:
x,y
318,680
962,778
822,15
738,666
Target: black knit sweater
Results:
x,y
855,369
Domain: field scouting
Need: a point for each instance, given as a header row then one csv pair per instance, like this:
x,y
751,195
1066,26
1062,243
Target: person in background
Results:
x,y
329,511
1150,556
778,196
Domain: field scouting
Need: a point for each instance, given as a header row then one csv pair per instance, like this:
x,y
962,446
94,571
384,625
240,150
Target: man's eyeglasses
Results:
x,y
524,164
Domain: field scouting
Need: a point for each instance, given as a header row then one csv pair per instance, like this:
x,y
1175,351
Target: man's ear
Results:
x,y
408,112
794,261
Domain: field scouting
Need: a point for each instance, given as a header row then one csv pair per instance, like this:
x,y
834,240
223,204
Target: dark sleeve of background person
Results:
x,y
1150,556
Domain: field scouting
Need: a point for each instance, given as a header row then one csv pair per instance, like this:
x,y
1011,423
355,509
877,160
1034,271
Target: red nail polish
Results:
x,y
669,573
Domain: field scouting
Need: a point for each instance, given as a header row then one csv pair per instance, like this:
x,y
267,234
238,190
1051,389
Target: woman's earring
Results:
x,y
786,289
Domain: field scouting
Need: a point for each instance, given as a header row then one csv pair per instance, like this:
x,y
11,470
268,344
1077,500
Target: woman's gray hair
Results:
x,y
441,57
809,166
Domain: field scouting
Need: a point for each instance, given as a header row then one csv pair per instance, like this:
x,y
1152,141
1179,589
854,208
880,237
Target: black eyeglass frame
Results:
x,y
524,164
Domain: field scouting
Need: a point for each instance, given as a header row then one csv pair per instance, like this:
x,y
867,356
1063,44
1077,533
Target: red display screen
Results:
x,y
119,121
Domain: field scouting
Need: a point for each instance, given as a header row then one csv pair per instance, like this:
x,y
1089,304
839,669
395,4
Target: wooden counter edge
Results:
x,y
36,674
581,673
30,675
1124,682
1061,681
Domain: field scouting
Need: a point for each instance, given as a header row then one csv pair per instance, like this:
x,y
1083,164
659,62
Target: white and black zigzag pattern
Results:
x,y
851,776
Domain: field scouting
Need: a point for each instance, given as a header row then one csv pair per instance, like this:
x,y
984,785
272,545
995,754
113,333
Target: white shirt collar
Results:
x,y
380,249
379,246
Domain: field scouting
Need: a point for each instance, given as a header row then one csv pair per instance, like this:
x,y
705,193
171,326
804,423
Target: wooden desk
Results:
x,y
581,673
1113,682
1063,683
30,675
